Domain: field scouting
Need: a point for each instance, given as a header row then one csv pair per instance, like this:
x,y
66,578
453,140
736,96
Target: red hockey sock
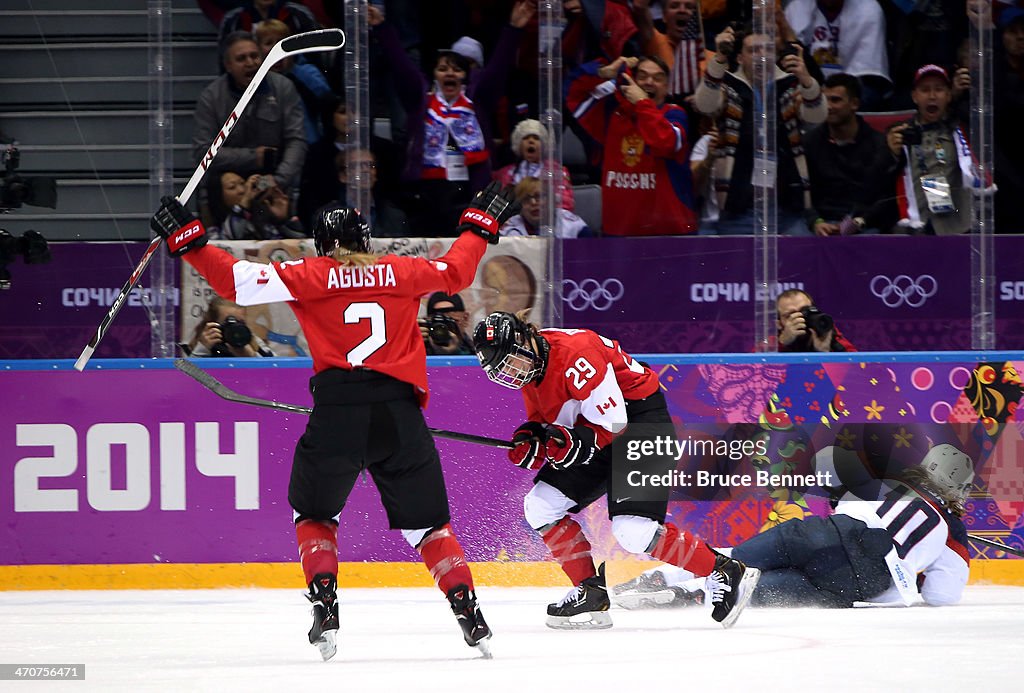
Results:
x,y
318,547
443,555
680,548
570,548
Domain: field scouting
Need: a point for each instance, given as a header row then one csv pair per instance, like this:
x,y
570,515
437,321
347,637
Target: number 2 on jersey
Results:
x,y
374,312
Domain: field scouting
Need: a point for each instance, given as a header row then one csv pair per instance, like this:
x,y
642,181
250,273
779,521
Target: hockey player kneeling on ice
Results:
x,y
358,312
580,390
881,546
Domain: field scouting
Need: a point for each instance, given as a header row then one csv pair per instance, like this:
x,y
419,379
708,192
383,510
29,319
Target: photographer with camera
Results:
x,y
222,331
934,158
258,210
444,328
730,99
804,327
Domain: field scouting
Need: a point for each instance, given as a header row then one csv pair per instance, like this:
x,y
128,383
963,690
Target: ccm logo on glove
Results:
x,y
182,236
480,219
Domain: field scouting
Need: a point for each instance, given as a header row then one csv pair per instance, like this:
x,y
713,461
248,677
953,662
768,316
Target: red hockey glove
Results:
x,y
182,230
528,452
568,446
490,208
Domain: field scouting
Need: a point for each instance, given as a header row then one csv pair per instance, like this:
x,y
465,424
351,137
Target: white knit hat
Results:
x,y
470,48
530,126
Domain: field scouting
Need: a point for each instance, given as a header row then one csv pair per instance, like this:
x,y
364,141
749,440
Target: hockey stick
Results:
x,y
996,545
309,42
224,392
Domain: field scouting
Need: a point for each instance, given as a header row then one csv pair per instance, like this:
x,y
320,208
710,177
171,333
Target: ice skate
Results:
x,y
323,595
584,607
650,591
730,586
471,619
652,581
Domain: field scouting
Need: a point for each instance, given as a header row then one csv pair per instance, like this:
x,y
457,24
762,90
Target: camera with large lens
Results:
x,y
234,333
818,322
442,329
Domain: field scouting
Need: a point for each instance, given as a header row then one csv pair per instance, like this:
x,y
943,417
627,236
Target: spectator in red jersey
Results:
x,y
358,312
803,327
580,391
645,150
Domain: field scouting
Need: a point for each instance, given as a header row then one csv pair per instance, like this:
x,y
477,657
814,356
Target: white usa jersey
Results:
x,y
929,539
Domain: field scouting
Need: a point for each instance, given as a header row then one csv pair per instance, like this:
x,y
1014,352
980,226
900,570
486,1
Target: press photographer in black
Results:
x,y
444,328
804,327
222,331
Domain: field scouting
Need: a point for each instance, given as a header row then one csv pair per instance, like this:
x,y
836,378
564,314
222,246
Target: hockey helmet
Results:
x,y
335,226
503,345
951,470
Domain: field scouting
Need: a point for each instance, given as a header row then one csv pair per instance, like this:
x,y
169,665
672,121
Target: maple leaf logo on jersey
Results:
x,y
264,277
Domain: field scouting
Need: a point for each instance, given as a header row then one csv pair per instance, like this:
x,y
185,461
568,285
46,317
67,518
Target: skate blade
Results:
x,y
596,620
485,648
646,600
327,644
746,587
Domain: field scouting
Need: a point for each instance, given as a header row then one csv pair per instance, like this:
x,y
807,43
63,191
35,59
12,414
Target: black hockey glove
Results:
x,y
568,446
528,452
181,229
490,208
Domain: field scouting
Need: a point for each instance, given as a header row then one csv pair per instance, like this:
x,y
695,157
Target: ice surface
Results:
x,y
402,640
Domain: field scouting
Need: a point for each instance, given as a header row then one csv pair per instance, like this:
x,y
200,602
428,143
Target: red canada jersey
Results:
x,y
588,380
352,317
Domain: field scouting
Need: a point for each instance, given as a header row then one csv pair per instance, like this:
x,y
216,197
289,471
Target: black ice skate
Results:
x,y
470,618
730,585
324,597
650,591
584,607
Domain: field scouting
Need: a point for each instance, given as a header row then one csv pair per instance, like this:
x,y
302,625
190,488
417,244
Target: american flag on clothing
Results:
x,y
686,68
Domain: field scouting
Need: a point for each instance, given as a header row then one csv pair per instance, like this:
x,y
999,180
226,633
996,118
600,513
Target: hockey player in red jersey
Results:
x,y
358,312
580,391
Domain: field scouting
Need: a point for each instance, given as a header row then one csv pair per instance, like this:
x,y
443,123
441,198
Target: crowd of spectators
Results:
x,y
661,94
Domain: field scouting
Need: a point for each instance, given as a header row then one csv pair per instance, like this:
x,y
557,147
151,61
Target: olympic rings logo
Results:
x,y
591,293
904,289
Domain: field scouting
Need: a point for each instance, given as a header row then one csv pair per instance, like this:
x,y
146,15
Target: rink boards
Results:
x,y
131,475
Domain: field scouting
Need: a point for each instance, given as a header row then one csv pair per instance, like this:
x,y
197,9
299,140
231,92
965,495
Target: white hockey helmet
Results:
x,y
950,469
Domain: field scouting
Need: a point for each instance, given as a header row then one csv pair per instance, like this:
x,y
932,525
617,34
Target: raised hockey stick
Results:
x,y
309,42
996,545
224,392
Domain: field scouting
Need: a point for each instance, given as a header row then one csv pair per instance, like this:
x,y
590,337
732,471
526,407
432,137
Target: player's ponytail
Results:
x,y
351,258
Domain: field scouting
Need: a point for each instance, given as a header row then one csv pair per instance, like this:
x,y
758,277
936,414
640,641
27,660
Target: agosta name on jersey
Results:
x,y
369,277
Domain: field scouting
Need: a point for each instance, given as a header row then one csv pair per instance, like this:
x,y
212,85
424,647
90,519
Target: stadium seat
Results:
x,y
588,205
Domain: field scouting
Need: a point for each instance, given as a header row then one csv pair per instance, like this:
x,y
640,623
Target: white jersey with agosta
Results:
x,y
929,539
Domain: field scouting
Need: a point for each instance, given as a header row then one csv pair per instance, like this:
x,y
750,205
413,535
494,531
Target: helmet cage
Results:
x,y
503,346
517,368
